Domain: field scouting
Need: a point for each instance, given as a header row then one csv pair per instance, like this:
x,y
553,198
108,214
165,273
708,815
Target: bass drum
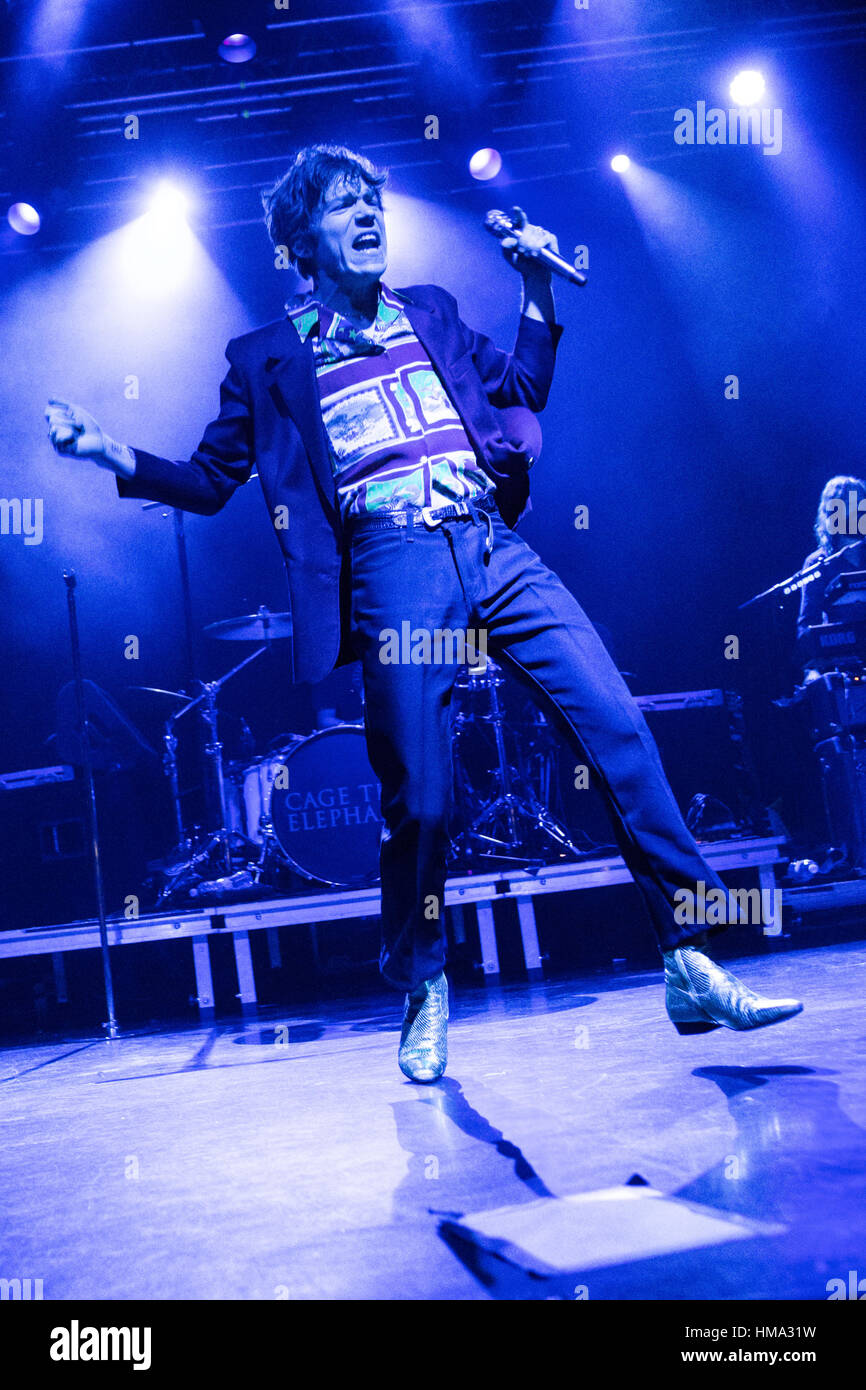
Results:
x,y
321,800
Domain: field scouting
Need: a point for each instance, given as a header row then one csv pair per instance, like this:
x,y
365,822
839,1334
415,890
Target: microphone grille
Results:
x,y
498,222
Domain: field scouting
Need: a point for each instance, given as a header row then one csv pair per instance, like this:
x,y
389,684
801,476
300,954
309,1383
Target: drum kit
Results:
x,y
306,811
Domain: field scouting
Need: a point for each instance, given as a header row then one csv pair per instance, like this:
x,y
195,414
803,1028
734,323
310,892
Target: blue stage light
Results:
x,y
485,164
168,205
23,219
747,87
620,163
158,247
237,48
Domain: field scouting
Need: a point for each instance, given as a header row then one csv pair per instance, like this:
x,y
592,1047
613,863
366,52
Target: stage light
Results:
x,y
620,163
168,206
158,247
485,164
237,48
23,219
747,87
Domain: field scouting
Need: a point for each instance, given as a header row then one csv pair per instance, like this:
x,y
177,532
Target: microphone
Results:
x,y
500,225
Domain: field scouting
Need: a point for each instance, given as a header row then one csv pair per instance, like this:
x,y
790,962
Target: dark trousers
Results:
x,y
450,577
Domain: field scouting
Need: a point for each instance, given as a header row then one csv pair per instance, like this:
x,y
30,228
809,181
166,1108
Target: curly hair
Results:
x,y
294,200
835,489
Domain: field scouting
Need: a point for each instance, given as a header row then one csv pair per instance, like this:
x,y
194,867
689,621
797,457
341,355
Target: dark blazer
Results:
x,y
270,416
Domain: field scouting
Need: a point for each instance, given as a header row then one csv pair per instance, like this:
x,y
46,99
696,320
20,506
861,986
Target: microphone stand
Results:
x,y
185,588
800,579
169,741
90,793
185,591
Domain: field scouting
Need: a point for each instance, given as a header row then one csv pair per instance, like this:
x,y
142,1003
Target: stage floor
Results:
x,y
288,1157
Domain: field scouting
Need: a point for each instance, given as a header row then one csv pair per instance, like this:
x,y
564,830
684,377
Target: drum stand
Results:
x,y
512,818
215,853
269,853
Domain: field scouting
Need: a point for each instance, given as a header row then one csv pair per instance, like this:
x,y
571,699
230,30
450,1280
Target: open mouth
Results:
x,y
367,241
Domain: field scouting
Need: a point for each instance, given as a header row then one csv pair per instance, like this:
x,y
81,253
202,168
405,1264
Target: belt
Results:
x,y
411,517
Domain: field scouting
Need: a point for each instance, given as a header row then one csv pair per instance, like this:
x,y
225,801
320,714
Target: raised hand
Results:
x,y
74,433
521,249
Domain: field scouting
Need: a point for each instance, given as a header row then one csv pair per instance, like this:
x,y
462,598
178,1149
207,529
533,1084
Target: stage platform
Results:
x,y
479,892
287,1157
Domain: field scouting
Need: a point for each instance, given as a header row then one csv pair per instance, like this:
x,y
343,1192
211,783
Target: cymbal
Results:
x,y
263,626
155,690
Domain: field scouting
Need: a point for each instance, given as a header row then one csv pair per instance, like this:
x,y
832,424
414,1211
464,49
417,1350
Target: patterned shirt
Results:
x,y
395,437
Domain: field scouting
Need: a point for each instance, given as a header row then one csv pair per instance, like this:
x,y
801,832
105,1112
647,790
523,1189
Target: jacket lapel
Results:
x,y
290,378
427,324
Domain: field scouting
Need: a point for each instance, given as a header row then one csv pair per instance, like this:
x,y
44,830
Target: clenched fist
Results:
x,y
74,433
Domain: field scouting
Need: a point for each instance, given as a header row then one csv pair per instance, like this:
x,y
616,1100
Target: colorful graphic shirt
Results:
x,y
395,437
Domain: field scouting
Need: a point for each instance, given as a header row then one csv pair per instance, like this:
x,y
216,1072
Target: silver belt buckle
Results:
x,y
428,518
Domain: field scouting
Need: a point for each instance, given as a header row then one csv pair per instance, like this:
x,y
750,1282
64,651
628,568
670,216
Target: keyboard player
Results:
x,y
836,527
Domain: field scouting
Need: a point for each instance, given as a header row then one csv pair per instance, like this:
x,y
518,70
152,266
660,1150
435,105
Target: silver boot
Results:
x,y
701,996
424,1038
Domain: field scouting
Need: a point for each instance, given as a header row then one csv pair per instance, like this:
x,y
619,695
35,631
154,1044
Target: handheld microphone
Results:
x,y
500,225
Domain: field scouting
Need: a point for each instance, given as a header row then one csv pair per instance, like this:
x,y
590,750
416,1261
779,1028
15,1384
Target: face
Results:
x,y
349,241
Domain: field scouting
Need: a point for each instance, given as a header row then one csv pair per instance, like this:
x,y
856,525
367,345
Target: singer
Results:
x,y
400,439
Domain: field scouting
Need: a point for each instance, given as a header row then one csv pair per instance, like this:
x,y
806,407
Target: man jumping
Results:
x,y
375,416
